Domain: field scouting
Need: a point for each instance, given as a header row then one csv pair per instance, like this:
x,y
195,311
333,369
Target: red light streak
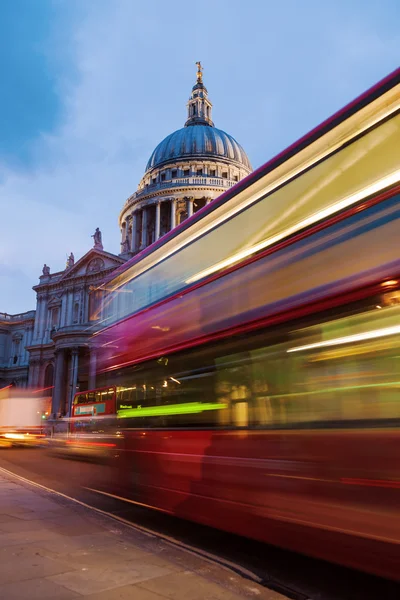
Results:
x,y
385,483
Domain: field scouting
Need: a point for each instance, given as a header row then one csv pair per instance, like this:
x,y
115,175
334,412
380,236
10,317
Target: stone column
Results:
x,y
23,346
59,388
41,318
92,369
123,231
64,302
127,233
25,357
70,310
74,377
143,241
157,227
37,373
189,206
31,372
37,319
173,213
134,225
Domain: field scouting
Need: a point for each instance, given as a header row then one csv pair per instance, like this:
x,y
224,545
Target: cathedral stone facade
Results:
x,y
16,332
61,357
50,348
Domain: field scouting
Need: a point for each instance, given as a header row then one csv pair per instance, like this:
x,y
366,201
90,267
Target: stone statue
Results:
x,y
199,72
125,246
97,239
70,260
46,270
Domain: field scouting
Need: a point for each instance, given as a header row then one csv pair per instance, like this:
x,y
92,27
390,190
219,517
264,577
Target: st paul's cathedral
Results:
x,y
50,347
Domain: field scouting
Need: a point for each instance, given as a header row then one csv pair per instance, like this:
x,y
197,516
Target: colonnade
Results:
x,y
144,225
66,375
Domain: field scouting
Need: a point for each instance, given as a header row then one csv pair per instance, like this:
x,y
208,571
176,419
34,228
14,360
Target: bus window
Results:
x,y
80,399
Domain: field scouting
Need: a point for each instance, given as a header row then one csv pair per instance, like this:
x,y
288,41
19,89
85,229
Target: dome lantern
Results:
x,y
199,106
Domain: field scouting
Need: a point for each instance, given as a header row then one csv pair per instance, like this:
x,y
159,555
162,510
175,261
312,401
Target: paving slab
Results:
x,y
37,589
52,548
32,567
27,537
87,580
17,552
14,525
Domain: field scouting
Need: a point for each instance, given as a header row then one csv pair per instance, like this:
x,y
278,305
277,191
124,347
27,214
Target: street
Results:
x,y
296,576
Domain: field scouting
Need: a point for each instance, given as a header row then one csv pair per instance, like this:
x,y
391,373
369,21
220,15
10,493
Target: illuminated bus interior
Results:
x,y
337,370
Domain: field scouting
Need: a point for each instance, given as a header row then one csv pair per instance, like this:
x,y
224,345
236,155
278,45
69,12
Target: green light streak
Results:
x,y
192,408
189,408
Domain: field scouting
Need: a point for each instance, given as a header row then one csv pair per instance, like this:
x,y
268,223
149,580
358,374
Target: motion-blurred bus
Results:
x,y
258,347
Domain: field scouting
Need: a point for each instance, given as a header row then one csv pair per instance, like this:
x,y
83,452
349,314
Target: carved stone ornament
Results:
x,y
96,264
55,300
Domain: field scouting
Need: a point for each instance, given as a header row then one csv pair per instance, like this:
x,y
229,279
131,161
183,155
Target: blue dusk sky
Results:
x,y
90,87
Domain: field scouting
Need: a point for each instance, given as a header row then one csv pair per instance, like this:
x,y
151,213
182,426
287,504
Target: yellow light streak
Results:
x,y
377,186
348,339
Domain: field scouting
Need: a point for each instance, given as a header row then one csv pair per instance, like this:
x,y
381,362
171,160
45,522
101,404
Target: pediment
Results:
x,y
94,261
55,301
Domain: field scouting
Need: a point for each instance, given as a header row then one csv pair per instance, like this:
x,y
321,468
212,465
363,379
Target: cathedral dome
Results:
x,y
201,142
188,169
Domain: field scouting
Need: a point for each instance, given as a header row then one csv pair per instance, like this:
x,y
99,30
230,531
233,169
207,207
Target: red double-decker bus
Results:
x,y
258,350
90,431
93,403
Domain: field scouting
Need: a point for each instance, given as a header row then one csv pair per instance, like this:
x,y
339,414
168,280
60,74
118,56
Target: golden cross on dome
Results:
x,y
199,72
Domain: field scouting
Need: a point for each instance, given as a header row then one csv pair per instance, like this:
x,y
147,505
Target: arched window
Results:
x,y
49,379
95,305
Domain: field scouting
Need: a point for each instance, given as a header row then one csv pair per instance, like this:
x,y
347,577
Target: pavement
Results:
x,y
55,549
